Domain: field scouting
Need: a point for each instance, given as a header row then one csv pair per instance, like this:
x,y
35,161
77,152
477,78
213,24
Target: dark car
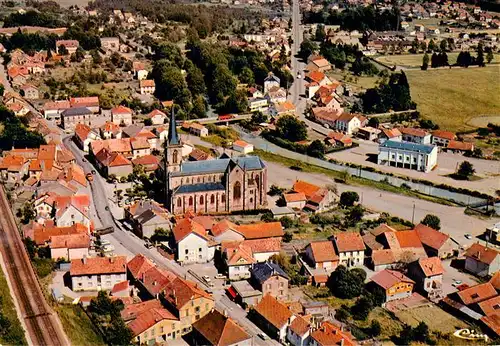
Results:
x,y
93,171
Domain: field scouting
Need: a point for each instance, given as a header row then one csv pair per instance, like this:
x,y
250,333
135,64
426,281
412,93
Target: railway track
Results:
x,y
40,322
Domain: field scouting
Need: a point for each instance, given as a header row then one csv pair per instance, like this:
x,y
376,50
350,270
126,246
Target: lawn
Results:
x,y
78,326
452,98
415,60
14,333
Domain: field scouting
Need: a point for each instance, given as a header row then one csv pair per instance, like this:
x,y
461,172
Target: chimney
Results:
x,y
111,260
84,259
224,312
154,283
342,342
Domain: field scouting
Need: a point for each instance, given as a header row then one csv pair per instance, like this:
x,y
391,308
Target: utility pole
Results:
x,y
413,214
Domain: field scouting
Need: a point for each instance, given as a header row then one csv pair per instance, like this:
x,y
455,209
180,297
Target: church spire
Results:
x,y
173,137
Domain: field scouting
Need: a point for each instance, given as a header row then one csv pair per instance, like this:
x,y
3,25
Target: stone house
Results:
x,y
481,260
192,243
69,246
428,276
435,243
273,317
79,115
299,331
349,123
442,138
147,216
270,279
30,92
350,249
84,135
121,115
150,322
414,135
157,117
113,163
215,329
321,255
147,86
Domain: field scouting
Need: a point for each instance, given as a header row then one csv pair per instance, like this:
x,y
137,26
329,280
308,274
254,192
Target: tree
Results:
x,y
258,118
375,328
355,215
465,170
348,198
345,284
199,109
480,55
237,102
425,61
432,46
288,235
362,308
306,49
290,128
374,122
421,332
432,221
316,149
287,222
443,45
246,76
489,56
320,34
63,50
168,51
195,81
342,314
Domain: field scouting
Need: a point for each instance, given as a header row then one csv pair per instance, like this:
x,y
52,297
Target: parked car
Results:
x,y
206,278
468,236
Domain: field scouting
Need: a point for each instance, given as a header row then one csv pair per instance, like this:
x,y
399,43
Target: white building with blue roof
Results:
x,y
420,157
216,186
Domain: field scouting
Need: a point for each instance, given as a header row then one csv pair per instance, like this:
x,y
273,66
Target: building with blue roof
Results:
x,y
269,278
420,157
216,186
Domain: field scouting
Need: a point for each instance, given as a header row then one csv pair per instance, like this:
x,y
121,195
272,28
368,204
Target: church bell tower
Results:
x,y
172,155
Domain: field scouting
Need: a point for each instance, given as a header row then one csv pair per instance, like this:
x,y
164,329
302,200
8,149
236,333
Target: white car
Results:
x,y
299,76
206,278
468,236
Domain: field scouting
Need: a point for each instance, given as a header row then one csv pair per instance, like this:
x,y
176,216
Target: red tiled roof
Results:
x,y
180,292
187,226
382,228
147,83
70,241
273,311
388,278
495,280
223,226
382,257
155,112
42,235
391,133
323,251
444,134
294,197
261,230
413,131
90,101
306,188
263,245
120,287
82,131
430,237
220,330
148,319
205,220
328,334
121,110
478,293
239,255
463,146
492,322
98,265
299,326
315,76
139,265
131,311
491,306
482,253
349,241
431,266
408,239
156,279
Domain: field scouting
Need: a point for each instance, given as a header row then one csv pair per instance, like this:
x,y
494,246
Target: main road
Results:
x,y
103,211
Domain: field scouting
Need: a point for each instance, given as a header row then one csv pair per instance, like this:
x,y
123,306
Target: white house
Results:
x,y
350,248
157,117
299,331
147,86
193,244
481,260
69,246
270,82
84,135
258,104
242,147
415,135
121,115
321,254
442,138
97,273
139,70
420,157
349,123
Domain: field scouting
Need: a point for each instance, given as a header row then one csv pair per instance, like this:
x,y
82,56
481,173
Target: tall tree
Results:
x,y
291,128
480,55
425,61
432,221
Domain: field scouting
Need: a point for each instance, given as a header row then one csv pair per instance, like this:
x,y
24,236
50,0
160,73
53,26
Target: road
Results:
x,y
41,323
102,206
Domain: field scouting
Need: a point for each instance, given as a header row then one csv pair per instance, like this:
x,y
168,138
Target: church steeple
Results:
x,y
173,137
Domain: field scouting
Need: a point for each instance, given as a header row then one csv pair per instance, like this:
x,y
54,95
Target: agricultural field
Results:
x,y
456,98
436,318
415,60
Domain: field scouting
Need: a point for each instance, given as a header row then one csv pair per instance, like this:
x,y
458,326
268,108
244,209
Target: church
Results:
x,y
219,186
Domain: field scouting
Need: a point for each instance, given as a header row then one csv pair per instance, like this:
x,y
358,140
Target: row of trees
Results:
x,y
357,18
15,133
464,59
393,94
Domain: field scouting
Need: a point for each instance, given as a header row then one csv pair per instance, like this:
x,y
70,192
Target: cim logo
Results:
x,y
468,334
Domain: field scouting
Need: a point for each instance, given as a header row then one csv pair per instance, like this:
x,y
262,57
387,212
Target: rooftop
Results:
x,y
425,148
98,265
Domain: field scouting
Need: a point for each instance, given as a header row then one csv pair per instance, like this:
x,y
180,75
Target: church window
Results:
x,y
257,181
237,190
251,200
199,179
201,199
175,156
179,202
191,201
187,181
223,198
212,199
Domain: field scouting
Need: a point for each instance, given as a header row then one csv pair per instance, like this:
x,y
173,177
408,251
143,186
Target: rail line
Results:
x,y
38,318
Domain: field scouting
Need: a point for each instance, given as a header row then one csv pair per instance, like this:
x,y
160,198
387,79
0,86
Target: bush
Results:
x,y
287,237
348,198
287,222
432,221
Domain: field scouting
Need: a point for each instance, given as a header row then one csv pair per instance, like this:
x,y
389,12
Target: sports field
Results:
x,y
455,99
415,60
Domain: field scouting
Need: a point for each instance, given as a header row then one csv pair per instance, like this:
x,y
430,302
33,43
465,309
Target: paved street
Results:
x,y
489,170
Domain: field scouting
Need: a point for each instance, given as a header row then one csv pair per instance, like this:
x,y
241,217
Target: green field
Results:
x,y
415,60
452,98
78,326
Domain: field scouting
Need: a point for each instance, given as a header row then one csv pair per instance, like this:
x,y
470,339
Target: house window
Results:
x,y
197,309
175,156
268,286
251,200
237,190
199,249
212,199
187,251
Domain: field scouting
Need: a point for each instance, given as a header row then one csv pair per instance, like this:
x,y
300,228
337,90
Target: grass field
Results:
x,y
452,98
78,326
14,333
436,318
415,60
